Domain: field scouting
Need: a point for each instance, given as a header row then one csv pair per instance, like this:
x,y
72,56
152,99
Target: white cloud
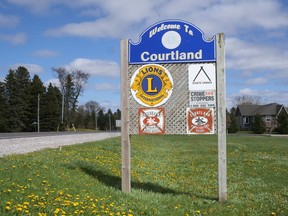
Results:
x,y
267,96
124,18
15,39
54,82
243,55
32,68
8,20
95,67
45,53
257,81
107,86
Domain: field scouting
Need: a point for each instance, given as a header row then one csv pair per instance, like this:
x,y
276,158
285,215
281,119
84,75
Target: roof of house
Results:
x,y
246,110
267,109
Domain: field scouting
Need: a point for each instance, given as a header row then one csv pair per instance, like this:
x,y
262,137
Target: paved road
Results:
x,y
20,143
44,134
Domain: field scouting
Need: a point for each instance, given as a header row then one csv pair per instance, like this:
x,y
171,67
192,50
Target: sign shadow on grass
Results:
x,y
115,181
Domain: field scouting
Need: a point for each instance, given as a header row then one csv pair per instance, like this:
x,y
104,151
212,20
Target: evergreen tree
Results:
x,y
14,108
258,125
102,121
69,95
117,114
23,84
282,121
80,117
36,93
51,111
233,127
2,108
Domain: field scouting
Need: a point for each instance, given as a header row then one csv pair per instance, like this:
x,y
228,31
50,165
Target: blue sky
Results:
x,y
85,34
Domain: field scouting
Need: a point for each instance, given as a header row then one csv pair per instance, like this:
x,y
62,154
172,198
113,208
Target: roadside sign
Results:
x,y
202,98
171,41
202,77
200,120
151,121
169,85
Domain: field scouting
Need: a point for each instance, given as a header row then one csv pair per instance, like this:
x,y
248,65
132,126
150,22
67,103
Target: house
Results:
x,y
245,114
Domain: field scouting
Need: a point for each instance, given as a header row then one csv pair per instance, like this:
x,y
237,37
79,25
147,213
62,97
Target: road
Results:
x,y
20,143
44,134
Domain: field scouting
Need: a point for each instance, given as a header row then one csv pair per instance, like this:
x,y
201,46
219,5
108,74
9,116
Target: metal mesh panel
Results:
x,y
175,107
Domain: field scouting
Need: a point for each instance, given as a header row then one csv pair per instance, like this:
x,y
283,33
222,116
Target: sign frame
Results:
x,y
219,59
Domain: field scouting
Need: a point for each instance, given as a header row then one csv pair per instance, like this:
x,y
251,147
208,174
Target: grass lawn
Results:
x,y
171,175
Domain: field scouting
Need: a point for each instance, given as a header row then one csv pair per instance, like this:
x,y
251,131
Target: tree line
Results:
x,y
27,105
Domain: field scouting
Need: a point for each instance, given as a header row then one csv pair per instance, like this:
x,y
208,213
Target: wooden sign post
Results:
x,y
221,117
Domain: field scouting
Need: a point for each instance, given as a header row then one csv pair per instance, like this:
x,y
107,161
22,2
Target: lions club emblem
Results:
x,y
151,85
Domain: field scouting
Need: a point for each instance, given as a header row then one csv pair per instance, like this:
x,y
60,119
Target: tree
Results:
x,y
233,127
258,125
282,121
93,108
2,108
51,109
23,83
72,85
17,97
246,100
102,121
80,117
35,103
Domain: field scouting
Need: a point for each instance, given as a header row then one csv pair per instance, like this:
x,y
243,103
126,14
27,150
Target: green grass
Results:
x,y
171,175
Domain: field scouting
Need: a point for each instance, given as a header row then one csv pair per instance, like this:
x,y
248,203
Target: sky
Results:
x,y
86,34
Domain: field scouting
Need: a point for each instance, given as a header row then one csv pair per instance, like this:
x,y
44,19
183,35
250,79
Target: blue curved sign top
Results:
x,y
171,41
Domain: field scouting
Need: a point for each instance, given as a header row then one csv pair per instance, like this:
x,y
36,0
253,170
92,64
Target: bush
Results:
x,y
258,126
282,120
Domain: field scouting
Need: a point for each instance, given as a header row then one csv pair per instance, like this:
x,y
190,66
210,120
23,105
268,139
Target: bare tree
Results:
x,y
72,85
93,106
247,100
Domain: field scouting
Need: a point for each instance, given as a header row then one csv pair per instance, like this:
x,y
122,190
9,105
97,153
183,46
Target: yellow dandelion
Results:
x,y
7,208
19,209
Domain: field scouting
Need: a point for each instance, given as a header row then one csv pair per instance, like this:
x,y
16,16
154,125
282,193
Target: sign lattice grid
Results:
x,y
175,107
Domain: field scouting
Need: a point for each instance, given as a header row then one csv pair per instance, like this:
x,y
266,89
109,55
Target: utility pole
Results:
x,y
38,114
62,115
109,122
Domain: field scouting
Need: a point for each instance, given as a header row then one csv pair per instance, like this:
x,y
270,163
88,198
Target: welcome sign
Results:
x,y
173,82
171,41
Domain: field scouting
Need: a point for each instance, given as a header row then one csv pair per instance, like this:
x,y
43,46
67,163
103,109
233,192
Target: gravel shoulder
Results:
x,y
31,144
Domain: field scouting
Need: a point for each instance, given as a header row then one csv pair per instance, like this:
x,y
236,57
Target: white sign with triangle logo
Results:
x,y
202,77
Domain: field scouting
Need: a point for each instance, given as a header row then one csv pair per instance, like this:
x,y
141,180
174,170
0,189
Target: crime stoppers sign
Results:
x,y
200,120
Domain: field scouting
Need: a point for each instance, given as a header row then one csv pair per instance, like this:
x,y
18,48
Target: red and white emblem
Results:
x,y
200,120
151,121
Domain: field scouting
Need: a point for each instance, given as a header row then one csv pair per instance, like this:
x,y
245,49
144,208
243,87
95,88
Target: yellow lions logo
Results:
x,y
151,85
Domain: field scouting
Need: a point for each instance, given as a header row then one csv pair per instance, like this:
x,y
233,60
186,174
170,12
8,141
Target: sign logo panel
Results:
x,y
200,120
151,121
202,98
202,77
151,85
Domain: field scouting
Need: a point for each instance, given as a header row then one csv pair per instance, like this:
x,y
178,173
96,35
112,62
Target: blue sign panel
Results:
x,y
171,41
